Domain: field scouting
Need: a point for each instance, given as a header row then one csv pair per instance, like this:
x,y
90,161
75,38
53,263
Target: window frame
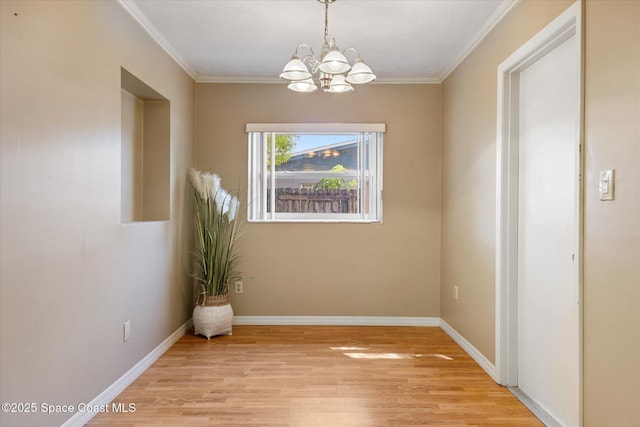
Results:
x,y
257,163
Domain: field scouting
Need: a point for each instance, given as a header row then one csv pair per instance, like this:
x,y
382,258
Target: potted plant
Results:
x,y
216,257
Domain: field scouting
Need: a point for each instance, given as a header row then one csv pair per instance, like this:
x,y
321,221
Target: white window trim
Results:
x,y
254,129
316,127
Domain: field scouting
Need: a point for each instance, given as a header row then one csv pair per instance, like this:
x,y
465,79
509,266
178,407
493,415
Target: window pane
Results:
x,y
316,173
308,176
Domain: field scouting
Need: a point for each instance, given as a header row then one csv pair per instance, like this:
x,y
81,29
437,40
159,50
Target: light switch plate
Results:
x,y
606,184
126,329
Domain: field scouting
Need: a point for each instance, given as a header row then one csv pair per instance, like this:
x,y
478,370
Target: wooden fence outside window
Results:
x,y
296,200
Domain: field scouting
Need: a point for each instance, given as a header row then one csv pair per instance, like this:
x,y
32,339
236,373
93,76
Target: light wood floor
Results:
x,y
329,376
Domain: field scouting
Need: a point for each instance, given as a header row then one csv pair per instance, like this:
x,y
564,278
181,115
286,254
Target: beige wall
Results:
x,y
70,273
131,154
469,177
157,160
336,269
612,229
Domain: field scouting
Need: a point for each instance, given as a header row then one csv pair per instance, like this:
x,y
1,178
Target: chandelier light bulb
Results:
x,y
339,85
295,70
334,62
360,73
332,66
303,86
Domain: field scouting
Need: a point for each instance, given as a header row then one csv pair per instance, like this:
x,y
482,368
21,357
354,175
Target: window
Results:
x,y
315,172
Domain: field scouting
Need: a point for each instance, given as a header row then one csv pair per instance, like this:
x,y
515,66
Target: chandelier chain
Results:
x,y
326,22
336,74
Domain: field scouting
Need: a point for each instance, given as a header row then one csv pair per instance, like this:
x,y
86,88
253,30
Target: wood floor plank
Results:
x,y
328,376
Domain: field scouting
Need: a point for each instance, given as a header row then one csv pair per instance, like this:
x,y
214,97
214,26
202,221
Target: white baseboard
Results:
x,y
105,398
484,363
111,392
534,407
480,359
336,321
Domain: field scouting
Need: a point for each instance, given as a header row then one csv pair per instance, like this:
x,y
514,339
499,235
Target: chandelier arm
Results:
x,y
352,49
301,45
310,58
332,65
312,61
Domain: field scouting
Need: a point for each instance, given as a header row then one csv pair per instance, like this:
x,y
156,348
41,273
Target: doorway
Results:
x,y
539,222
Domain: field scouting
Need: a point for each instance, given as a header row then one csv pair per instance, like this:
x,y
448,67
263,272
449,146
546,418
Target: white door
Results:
x,y
547,303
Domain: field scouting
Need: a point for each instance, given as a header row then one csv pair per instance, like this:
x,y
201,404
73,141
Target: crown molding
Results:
x,y
407,81
276,80
497,16
155,34
234,79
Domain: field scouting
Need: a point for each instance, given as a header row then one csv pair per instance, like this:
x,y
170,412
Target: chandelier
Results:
x,y
336,74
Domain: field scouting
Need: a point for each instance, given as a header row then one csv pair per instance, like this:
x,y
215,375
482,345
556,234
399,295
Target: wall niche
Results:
x,y
145,152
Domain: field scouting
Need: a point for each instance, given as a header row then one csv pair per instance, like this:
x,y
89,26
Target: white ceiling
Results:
x,y
251,40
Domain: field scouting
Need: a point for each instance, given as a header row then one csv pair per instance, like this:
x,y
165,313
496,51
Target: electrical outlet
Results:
x,y
455,292
238,286
126,329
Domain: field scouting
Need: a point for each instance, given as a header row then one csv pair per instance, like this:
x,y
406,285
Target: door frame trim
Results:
x,y
565,26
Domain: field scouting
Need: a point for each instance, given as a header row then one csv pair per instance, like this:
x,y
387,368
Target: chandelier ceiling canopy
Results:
x,y
335,73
